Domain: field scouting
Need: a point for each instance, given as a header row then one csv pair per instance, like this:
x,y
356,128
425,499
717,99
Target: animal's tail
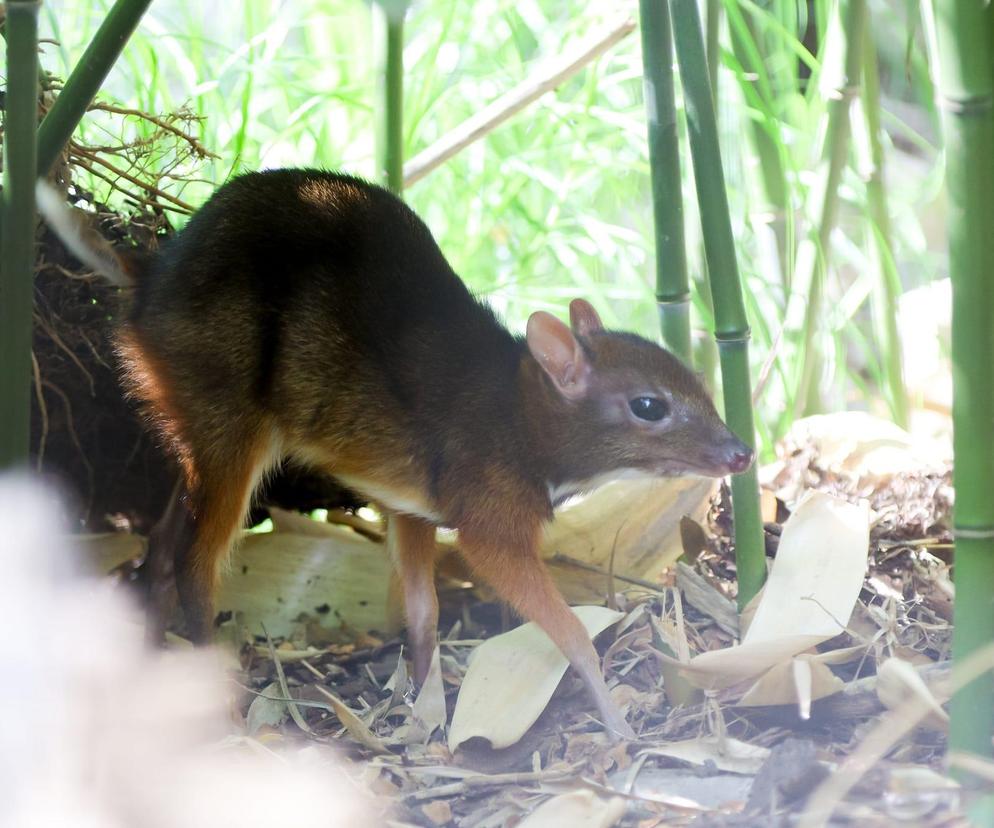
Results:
x,y
122,268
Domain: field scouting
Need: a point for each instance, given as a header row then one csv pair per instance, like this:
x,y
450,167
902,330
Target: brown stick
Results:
x,y
79,153
490,117
162,123
482,781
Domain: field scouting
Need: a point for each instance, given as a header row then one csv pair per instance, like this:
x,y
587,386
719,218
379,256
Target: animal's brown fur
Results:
x,y
311,315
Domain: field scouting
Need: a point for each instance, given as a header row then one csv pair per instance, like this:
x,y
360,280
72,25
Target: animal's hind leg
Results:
x,y
223,476
169,537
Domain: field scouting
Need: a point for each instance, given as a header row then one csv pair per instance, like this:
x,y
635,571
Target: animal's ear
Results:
x,y
560,355
583,318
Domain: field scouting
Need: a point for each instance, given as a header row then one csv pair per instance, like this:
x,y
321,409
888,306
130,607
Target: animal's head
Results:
x,y
633,407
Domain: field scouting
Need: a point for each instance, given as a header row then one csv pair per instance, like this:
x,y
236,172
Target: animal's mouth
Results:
x,y
727,457
684,468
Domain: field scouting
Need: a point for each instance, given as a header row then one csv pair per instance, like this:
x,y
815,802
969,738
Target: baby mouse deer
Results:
x,y
311,315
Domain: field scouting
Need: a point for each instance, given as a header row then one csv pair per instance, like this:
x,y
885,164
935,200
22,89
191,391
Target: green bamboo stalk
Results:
x,y
814,255
731,325
672,283
390,98
887,287
17,247
85,80
963,35
705,349
712,45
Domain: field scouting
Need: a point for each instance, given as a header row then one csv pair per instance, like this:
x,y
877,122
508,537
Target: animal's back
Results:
x,y
323,301
267,244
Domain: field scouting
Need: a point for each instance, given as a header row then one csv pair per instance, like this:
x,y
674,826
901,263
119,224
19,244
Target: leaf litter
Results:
x,y
848,729
829,709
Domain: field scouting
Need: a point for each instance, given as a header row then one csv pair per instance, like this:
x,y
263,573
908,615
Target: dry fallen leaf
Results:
x,y
429,712
897,681
725,754
706,599
268,709
808,598
635,523
679,789
859,444
352,723
510,680
576,809
438,812
799,680
274,577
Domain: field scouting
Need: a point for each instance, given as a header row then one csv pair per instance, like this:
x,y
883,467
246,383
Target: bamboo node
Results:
x,y
844,93
729,338
974,534
676,299
971,105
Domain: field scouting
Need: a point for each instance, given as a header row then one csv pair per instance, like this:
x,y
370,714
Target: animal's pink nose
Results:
x,y
740,460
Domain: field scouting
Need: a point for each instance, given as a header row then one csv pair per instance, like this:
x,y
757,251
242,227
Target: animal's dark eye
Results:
x,y
649,408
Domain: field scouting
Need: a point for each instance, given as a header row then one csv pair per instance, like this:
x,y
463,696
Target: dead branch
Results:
x,y
546,78
165,124
42,410
81,156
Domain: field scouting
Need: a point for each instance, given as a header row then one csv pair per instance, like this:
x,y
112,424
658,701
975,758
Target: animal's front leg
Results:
x,y
412,546
520,578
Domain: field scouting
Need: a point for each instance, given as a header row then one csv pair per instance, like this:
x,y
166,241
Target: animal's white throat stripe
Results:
x,y
569,488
